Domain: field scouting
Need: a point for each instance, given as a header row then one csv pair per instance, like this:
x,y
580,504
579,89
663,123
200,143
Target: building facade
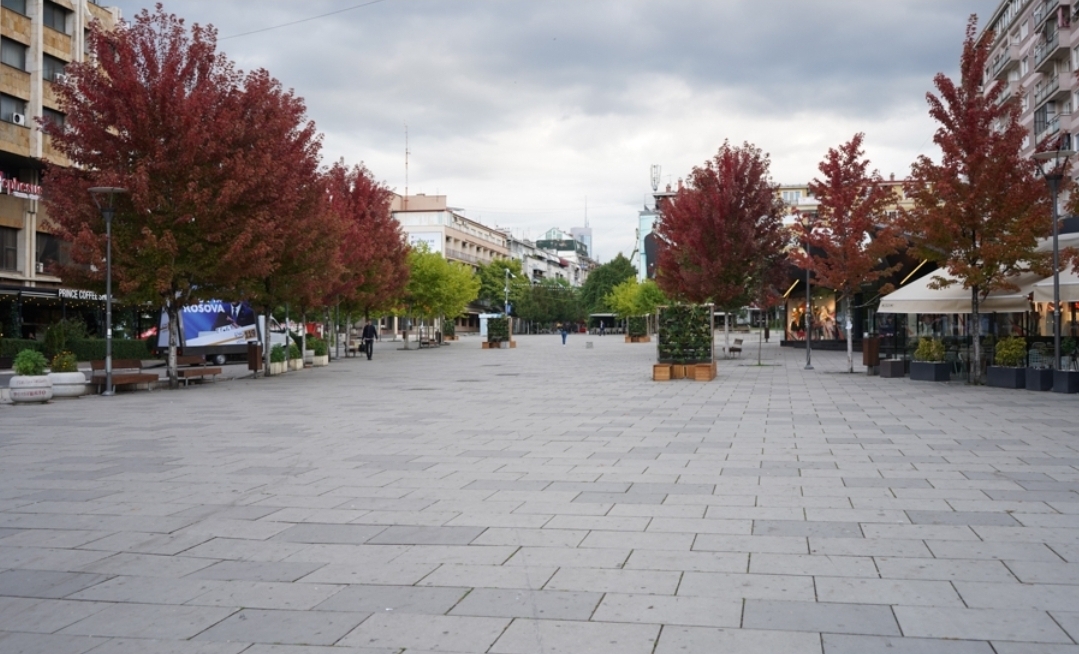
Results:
x,y
38,38
428,219
1035,53
539,264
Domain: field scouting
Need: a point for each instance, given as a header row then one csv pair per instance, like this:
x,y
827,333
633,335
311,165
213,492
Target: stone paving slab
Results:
x,y
543,499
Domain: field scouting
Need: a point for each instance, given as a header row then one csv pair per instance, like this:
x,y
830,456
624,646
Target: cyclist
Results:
x,y
369,336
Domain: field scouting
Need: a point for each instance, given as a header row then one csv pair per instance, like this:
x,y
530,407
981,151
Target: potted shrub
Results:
x,y
928,364
30,383
1039,378
637,330
295,358
498,333
449,329
684,343
1009,371
278,364
66,379
320,351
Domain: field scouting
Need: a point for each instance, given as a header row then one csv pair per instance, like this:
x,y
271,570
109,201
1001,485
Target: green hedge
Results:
x,y
498,330
685,333
93,349
449,327
638,326
9,347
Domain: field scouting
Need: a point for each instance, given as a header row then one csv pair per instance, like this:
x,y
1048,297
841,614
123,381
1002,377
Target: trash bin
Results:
x,y
254,357
871,351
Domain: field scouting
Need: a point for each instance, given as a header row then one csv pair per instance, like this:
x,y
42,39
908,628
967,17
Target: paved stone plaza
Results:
x,y
546,499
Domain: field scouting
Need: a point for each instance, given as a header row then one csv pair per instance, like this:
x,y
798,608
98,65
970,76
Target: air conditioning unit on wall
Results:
x,y
18,119
40,267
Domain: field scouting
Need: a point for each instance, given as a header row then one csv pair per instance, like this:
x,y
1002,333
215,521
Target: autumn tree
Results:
x,y
601,280
846,243
373,254
215,162
721,234
980,211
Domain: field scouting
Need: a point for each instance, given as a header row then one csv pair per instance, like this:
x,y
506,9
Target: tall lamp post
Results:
x,y
107,211
1054,176
807,317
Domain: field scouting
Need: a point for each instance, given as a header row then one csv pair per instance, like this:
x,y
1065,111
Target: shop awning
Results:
x,y
1069,288
917,297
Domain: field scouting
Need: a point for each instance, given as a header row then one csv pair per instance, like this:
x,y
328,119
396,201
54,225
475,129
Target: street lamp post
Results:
x,y
808,319
107,211
1054,177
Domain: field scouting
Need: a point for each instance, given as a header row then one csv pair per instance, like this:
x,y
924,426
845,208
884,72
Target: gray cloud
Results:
x,y
520,110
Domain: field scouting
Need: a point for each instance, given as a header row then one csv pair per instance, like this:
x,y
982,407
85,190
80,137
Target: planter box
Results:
x,y
638,339
893,368
495,345
295,364
68,384
1065,381
1039,379
278,367
678,371
449,338
30,389
1003,377
318,361
661,372
703,371
930,371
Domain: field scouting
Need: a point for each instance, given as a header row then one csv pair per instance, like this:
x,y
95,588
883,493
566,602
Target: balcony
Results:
x,y
1005,62
1047,128
1048,10
1056,87
1045,53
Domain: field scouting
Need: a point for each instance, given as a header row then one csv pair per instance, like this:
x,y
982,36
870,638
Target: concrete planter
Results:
x,y
893,368
309,357
930,371
295,364
1039,379
278,367
1004,377
27,390
68,384
1065,381
318,361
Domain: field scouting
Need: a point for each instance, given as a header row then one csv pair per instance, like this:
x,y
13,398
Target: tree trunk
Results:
x,y
303,332
727,333
975,375
172,308
848,325
266,343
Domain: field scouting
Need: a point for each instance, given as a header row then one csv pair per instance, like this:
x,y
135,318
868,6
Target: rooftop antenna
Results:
x,y
656,175
586,212
406,167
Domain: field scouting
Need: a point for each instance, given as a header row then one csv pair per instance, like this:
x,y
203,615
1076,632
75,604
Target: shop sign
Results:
x,y
19,189
79,294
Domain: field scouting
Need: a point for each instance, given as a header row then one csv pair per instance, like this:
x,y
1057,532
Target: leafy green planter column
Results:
x,y
685,334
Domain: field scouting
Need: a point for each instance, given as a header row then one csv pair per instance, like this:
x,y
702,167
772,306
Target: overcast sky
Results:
x,y
525,112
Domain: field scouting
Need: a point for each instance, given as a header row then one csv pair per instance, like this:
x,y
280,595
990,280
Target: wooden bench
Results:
x,y
125,372
426,342
736,348
194,367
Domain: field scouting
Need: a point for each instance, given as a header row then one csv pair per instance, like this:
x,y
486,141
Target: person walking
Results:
x,y
565,332
369,336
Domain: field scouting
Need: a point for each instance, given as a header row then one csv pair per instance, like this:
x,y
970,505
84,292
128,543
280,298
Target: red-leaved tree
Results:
x,y
720,237
374,253
215,164
852,235
980,211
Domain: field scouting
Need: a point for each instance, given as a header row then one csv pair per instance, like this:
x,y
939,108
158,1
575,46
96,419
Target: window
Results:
x,y
51,67
15,5
13,53
51,249
55,117
1025,66
792,197
55,16
1024,29
9,106
9,249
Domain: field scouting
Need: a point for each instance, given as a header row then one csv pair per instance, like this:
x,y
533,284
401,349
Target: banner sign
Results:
x,y
213,322
19,189
80,294
432,239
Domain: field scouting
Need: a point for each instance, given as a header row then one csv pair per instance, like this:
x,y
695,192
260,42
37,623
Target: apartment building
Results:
x,y
539,264
429,219
38,38
1035,54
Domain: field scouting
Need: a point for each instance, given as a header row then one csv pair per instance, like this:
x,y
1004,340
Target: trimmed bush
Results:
x,y
449,327
30,363
498,330
294,351
685,333
1011,352
93,349
930,350
638,326
59,333
318,346
10,347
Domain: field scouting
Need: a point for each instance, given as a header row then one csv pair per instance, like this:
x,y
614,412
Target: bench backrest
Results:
x,y
117,364
737,341
190,360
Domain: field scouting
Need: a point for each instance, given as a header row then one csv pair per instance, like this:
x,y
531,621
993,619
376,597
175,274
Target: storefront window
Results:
x,y
9,249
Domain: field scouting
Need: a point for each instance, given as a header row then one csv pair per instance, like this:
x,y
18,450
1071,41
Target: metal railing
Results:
x,y
1043,50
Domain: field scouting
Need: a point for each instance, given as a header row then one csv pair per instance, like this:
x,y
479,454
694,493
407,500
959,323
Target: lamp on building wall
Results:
x,y
1054,176
107,211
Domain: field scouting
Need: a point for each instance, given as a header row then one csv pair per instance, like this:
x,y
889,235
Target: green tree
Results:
x,y
437,287
633,298
492,276
551,301
601,280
